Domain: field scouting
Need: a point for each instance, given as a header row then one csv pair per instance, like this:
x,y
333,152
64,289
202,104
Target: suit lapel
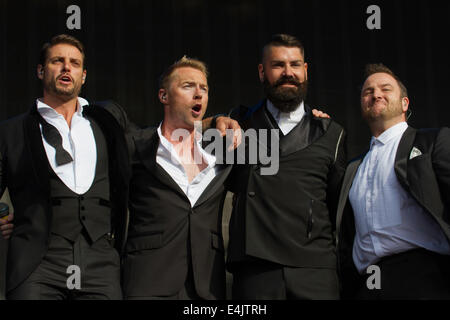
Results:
x,y
301,136
147,146
36,149
214,185
350,173
117,145
401,158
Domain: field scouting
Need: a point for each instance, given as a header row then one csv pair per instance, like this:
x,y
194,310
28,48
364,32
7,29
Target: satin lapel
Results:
x,y
113,132
401,158
147,146
350,173
304,133
36,149
214,185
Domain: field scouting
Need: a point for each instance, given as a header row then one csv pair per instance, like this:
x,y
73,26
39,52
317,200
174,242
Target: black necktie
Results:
x,y
53,138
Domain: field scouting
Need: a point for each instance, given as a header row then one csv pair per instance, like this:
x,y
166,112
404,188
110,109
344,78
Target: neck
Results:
x,y
377,127
65,107
182,137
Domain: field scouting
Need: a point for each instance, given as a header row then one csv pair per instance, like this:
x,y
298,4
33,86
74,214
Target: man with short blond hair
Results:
x,y
175,246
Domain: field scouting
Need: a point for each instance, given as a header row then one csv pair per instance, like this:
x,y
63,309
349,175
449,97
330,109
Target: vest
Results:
x,y
284,218
90,211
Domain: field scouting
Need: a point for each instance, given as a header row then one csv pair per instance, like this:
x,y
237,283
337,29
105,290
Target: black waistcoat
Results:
x,y
90,211
284,218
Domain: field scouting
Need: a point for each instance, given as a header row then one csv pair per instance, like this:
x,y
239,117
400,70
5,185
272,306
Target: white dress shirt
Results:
x,y
286,120
388,220
78,141
167,157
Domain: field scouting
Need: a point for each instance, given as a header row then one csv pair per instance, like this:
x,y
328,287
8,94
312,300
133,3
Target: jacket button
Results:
x,y
83,208
83,218
251,194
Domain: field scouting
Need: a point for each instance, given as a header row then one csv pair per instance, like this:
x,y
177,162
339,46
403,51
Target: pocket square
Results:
x,y
414,153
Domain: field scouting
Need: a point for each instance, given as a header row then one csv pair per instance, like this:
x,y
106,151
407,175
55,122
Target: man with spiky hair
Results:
x,y
394,206
65,164
175,246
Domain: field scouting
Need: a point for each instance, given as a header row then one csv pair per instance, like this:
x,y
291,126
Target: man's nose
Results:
x,y
288,71
377,93
66,65
198,94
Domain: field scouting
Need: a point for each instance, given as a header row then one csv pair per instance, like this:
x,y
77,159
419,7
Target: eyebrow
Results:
x,y
382,86
282,61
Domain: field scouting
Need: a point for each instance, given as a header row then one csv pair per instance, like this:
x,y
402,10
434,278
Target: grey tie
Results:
x,y
53,138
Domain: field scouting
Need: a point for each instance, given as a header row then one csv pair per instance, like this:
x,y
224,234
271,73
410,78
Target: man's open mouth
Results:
x,y
196,109
65,79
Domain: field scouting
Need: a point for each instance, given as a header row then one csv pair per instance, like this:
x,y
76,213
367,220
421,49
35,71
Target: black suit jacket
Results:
x,y
426,177
24,169
288,218
166,235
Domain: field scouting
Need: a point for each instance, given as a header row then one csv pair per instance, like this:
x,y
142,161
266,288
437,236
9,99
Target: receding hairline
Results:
x,y
385,73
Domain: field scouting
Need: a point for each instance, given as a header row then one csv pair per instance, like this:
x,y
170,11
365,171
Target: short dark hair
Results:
x,y
61,38
183,62
283,40
372,68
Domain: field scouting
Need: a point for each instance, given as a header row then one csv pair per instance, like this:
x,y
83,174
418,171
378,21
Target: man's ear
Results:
x,y
261,72
405,104
306,71
40,71
162,94
83,79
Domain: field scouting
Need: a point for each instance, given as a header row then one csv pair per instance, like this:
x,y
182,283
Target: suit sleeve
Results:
x,y
441,165
336,176
2,175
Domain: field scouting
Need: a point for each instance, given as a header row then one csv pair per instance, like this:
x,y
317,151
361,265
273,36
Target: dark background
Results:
x,y
129,43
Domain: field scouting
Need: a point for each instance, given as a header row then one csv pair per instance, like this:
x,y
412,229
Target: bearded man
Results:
x,y
393,217
281,229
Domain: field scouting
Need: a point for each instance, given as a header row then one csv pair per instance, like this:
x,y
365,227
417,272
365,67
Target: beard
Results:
x,y
65,93
391,110
286,99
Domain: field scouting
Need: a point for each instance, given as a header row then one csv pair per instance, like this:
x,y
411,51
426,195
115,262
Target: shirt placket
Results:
x,y
371,192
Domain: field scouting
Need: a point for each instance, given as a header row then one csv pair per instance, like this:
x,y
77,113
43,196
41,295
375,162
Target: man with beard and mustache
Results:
x,y
66,166
394,207
281,229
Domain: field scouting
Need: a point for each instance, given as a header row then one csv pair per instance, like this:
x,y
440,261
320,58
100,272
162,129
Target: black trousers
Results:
x,y
261,280
99,266
187,292
415,274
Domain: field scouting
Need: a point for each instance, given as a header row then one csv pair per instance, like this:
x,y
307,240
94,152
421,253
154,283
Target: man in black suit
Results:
x,y
393,222
65,164
175,247
281,229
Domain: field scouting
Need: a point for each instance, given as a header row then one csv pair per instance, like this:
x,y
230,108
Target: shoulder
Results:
x,y
112,108
144,133
14,122
242,113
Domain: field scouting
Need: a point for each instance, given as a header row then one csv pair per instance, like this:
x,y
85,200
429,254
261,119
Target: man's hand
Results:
x,y
226,123
6,227
320,114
